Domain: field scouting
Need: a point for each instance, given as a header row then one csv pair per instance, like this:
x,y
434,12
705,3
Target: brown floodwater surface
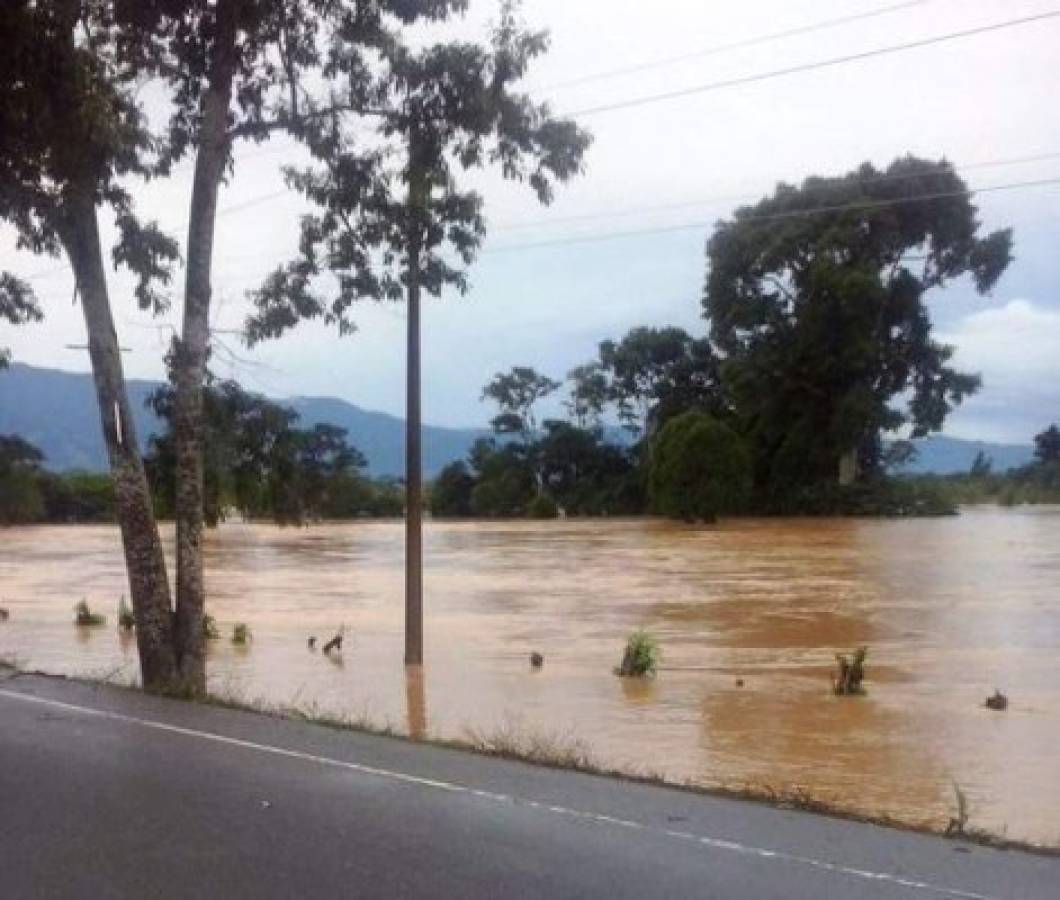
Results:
x,y
950,609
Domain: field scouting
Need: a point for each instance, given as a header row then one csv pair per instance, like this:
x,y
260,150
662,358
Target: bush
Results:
x,y
451,491
542,507
240,633
126,620
209,627
699,469
85,616
641,656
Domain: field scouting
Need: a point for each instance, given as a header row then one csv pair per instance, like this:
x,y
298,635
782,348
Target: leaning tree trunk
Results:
x,y
145,561
189,367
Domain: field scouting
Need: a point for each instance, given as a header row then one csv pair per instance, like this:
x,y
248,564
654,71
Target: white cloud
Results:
x,y
1016,348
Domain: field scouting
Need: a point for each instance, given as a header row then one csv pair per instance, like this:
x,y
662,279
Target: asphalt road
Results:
x,y
111,794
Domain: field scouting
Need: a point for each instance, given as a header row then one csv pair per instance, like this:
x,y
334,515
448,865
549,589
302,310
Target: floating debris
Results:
x,y
537,661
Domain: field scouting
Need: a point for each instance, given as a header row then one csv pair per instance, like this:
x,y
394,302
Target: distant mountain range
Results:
x,y
56,411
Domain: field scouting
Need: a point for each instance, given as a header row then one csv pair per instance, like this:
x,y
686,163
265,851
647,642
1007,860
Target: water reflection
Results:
x,y
416,702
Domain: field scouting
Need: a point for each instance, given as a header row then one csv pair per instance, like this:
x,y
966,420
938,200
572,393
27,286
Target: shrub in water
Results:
x,y
126,621
850,672
699,469
209,627
85,616
240,633
641,656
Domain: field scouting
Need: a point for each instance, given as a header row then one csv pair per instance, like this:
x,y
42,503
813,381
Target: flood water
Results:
x,y
950,609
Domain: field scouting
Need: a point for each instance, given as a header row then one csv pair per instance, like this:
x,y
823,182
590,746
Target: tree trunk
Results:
x,y
145,561
189,366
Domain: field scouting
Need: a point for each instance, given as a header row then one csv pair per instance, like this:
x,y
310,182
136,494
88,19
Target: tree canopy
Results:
x,y
699,469
816,302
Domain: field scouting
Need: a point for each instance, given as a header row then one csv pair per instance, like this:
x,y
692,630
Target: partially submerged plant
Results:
x,y
850,672
209,627
641,656
240,633
85,616
998,702
960,821
126,620
4,614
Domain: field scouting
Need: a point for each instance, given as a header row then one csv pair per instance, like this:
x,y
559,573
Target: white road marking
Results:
x,y
507,799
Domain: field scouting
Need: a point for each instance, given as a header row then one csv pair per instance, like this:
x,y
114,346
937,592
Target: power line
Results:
x,y
735,198
734,45
792,214
811,66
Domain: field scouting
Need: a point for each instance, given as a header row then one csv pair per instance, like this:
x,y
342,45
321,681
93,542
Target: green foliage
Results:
x,y
126,620
699,469
641,656
258,462
1047,445
542,507
816,298
18,305
886,497
516,393
241,634
209,627
84,616
1034,483
20,496
78,497
655,374
451,491
392,184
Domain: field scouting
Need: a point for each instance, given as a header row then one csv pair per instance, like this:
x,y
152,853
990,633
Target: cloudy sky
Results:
x,y
624,245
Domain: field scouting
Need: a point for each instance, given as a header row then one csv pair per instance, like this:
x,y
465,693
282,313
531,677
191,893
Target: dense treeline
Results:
x,y
1038,482
259,465
818,348
29,493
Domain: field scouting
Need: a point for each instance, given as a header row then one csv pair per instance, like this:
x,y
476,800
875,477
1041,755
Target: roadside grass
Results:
x,y
564,751
513,739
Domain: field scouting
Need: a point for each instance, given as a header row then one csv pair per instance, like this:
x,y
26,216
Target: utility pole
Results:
x,y
418,197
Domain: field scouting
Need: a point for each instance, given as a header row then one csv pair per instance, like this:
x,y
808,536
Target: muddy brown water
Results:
x,y
950,609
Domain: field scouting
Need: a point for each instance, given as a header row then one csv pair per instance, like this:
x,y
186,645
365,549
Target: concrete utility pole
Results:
x,y
418,200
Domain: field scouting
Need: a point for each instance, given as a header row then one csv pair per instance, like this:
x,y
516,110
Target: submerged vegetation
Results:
x,y
641,656
126,620
84,617
850,672
241,634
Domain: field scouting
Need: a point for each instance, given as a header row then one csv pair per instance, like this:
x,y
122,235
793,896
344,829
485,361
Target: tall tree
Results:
x,y
238,70
516,393
70,131
815,298
393,220
1047,445
657,373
